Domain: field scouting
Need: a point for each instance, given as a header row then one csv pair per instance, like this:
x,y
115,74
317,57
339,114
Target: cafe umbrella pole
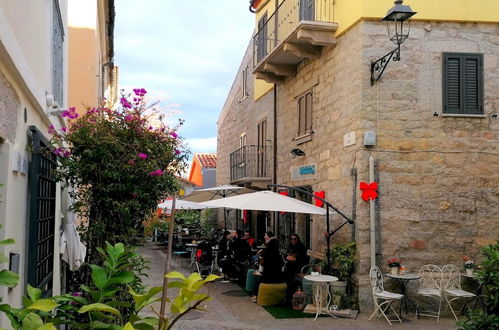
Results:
x,y
171,229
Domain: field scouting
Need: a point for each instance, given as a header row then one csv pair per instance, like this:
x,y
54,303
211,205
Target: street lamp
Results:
x,y
397,32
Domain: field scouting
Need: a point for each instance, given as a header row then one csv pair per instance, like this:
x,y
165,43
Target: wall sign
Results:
x,y
303,172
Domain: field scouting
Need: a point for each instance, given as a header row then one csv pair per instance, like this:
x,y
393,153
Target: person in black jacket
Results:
x,y
236,260
297,258
271,264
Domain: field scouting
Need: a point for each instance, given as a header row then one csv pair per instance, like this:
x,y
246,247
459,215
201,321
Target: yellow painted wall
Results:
x,y
348,12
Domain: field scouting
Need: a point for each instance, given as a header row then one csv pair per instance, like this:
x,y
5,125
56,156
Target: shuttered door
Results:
x,y
463,83
41,221
261,50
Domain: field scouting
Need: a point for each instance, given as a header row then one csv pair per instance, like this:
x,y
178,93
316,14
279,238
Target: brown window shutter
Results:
x,y
301,116
308,107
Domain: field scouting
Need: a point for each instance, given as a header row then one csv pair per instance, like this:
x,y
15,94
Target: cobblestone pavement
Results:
x,y
236,312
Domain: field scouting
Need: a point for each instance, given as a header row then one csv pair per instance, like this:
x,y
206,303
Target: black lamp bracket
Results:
x,y
379,66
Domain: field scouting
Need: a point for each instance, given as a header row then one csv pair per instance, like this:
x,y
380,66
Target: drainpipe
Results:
x,y
372,215
274,153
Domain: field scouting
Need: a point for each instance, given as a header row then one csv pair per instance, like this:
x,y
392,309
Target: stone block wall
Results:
x,y
242,115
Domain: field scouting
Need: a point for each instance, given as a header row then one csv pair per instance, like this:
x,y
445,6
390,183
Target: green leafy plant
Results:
x,y
7,278
109,302
38,312
120,162
208,222
342,261
188,297
488,278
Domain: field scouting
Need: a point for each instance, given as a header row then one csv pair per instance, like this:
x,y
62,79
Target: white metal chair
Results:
x,y
382,299
430,285
452,287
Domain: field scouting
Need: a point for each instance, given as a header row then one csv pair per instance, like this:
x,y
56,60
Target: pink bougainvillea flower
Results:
x,y
158,172
140,91
150,128
124,102
142,156
177,152
173,135
131,162
64,129
128,118
70,113
51,129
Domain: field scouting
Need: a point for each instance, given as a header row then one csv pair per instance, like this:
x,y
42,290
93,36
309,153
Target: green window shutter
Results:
x,y
472,85
463,83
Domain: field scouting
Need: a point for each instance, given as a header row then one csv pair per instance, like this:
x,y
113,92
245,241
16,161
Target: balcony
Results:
x,y
297,30
249,164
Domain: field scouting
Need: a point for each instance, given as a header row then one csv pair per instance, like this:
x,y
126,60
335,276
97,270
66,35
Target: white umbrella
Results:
x,y
206,194
213,193
181,204
266,201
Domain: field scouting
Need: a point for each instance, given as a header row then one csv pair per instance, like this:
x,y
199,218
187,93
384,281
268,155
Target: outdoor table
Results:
x,y
322,292
478,292
403,280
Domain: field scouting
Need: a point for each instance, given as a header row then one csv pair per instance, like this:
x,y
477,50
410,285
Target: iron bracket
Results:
x,y
379,66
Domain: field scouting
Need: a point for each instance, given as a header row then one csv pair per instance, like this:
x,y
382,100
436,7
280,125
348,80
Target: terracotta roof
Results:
x,y
207,160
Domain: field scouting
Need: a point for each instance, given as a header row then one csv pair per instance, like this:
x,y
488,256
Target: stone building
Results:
x,y
433,116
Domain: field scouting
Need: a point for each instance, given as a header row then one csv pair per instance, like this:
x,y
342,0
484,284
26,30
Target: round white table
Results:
x,y
322,292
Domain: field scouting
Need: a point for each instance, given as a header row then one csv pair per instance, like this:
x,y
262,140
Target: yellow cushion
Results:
x,y
270,294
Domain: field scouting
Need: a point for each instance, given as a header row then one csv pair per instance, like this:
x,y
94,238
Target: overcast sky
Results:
x,y
186,54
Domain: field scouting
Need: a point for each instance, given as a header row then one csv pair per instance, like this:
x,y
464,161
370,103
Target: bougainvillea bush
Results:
x,y
119,163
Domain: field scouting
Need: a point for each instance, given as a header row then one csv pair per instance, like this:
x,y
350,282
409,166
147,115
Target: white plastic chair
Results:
x,y
430,285
452,287
382,299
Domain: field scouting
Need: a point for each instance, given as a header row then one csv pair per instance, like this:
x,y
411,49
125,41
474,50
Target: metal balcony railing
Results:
x,y
249,162
285,20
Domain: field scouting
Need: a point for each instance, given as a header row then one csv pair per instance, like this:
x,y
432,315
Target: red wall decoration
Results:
x,y
369,190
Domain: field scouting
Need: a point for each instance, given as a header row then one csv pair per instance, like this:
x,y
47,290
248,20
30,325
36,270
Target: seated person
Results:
x,y
271,264
236,260
296,259
297,255
248,238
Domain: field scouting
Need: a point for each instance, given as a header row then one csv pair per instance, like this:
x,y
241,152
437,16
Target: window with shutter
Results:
x,y
463,83
305,114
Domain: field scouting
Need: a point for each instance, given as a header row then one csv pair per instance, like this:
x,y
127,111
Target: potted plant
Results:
x,y
469,265
394,265
342,263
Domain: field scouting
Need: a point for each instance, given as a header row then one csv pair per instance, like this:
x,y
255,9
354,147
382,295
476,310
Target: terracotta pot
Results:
x,y
394,270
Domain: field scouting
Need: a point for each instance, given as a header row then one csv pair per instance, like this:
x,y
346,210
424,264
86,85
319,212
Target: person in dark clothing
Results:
x,y
271,263
297,254
297,258
236,260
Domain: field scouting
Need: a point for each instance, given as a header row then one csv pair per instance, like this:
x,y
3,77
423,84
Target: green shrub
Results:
x,y
488,279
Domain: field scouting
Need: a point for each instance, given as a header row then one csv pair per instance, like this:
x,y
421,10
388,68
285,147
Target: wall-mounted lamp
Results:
x,y
397,32
297,152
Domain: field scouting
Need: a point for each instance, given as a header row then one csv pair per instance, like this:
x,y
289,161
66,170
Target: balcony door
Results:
x,y
261,150
261,39
307,10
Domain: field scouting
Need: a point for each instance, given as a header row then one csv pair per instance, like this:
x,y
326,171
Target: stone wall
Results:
x,y
9,106
438,175
242,115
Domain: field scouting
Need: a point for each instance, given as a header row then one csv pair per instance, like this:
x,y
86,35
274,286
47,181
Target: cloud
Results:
x,y
186,54
202,145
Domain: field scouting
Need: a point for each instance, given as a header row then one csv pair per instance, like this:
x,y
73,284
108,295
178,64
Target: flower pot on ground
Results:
x,y
339,287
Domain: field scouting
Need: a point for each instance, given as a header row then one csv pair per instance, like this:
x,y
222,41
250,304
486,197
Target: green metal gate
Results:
x,y
41,218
